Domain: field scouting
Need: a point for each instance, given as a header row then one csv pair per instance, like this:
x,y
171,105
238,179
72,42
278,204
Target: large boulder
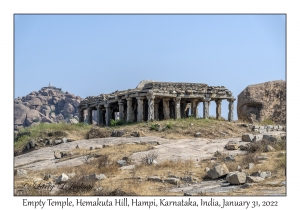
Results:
x,y
60,105
232,145
247,137
35,101
264,174
217,171
263,101
47,119
72,121
117,133
254,179
236,177
32,116
68,108
20,172
20,114
75,102
45,110
62,178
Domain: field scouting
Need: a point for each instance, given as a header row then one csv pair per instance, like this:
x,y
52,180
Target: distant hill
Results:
x,y
49,104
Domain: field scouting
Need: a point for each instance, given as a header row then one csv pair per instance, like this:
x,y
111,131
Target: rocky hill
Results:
x,y
265,101
49,105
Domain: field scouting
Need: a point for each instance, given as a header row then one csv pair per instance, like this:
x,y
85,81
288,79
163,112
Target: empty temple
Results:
x,y
156,101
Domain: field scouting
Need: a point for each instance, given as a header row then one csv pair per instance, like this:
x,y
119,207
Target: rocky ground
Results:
x,y
194,154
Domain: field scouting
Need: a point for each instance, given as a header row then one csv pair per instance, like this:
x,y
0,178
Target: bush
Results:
x,y
116,122
169,125
154,127
149,157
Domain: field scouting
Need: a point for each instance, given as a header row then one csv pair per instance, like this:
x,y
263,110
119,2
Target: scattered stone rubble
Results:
x,y
237,177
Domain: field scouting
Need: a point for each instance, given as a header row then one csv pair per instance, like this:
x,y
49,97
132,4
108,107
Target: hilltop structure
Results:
x,y
156,101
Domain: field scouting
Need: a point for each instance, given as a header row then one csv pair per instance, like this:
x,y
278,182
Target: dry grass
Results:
x,y
184,128
170,129
134,181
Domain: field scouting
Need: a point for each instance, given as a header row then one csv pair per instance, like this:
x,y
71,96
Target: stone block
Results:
x,y
62,178
197,135
236,177
247,137
254,179
121,162
232,145
269,148
20,172
217,171
57,154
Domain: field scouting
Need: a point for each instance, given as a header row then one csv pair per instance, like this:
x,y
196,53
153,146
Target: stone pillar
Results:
x,y
166,108
90,116
151,107
177,108
140,113
194,108
108,114
99,115
121,110
129,110
206,108
156,110
218,109
172,110
231,108
81,115
182,110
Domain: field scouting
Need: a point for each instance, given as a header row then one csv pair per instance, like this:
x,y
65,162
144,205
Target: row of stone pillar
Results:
x,y
153,110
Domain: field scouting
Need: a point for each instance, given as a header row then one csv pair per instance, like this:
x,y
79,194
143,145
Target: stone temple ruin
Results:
x,y
156,101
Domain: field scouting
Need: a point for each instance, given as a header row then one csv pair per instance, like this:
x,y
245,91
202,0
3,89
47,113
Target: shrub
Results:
x,y
169,125
149,157
154,127
116,122
102,161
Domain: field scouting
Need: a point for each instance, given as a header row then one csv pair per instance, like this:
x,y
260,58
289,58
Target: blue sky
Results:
x,y
92,54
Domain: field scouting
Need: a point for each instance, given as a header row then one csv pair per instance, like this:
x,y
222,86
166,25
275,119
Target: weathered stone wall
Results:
x,y
263,101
